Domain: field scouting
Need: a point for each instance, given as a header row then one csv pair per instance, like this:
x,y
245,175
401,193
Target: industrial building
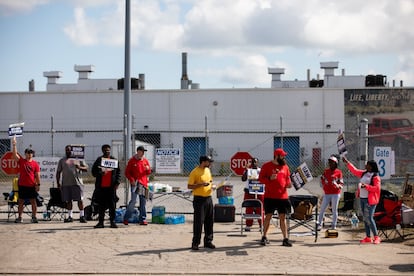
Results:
x,y
302,116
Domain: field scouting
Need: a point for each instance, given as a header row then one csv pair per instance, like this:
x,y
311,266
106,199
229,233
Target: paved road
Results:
x,y
57,248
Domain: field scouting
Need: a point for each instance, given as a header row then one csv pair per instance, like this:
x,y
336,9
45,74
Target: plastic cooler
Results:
x,y
224,213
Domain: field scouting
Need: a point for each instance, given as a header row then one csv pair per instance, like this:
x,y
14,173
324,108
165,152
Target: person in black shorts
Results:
x,y
275,175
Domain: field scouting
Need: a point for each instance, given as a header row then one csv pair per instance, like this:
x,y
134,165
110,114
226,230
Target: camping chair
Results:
x,y
256,215
389,219
305,213
56,207
13,201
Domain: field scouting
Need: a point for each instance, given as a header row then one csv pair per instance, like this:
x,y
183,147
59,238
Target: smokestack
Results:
x,y
184,76
141,78
31,86
308,74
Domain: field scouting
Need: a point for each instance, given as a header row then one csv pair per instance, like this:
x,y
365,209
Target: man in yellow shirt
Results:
x,y
201,182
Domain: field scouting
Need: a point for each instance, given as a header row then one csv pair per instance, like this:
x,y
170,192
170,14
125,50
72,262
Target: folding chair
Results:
x,y
55,206
389,220
257,214
308,219
13,201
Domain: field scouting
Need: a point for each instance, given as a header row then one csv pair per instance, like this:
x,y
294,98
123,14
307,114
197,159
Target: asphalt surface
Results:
x,y
57,248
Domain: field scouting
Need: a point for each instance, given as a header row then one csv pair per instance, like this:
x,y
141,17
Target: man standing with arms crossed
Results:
x,y
137,171
275,175
71,185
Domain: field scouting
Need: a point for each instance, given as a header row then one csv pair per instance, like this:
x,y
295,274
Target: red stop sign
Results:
x,y
240,161
8,164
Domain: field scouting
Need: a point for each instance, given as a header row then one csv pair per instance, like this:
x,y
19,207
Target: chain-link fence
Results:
x,y
314,148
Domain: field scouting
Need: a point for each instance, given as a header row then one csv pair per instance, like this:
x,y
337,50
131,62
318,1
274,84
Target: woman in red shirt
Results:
x,y
332,183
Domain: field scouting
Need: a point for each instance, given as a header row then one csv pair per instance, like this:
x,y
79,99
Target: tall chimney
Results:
x,y
184,76
31,85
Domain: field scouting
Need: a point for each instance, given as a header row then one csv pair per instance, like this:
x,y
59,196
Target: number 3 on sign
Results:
x,y
384,156
382,167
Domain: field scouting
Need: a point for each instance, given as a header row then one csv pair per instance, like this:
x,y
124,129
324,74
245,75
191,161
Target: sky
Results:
x,y
230,43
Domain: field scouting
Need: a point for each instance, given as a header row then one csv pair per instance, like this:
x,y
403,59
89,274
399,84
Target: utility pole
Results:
x,y
127,92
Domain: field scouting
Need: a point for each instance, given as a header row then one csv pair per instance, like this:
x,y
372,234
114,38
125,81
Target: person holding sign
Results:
x,y
137,171
71,185
29,180
275,175
108,177
369,191
251,175
332,183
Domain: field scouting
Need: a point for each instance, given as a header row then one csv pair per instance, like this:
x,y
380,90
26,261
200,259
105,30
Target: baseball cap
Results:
x,y
280,152
141,148
333,158
206,158
29,150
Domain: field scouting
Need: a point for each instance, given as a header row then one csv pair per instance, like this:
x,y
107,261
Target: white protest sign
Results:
x,y
16,130
340,142
109,163
301,176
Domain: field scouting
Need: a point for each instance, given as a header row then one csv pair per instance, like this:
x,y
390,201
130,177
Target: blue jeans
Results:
x,y
142,208
131,205
368,215
334,200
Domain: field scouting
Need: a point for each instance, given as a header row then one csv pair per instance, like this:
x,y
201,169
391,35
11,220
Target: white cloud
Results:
x,y
11,7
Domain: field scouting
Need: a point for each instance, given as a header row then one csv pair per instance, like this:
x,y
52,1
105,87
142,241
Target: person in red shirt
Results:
x,y
29,180
332,183
137,171
275,175
108,176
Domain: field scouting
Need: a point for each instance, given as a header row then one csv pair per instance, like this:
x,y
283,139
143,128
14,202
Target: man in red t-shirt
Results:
x,y
275,175
29,180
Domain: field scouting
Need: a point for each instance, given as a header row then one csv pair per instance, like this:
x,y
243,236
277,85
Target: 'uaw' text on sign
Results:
x,y
109,163
301,176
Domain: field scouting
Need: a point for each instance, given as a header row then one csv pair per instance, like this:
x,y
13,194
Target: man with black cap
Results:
x,y
275,175
29,180
201,182
137,171
108,177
